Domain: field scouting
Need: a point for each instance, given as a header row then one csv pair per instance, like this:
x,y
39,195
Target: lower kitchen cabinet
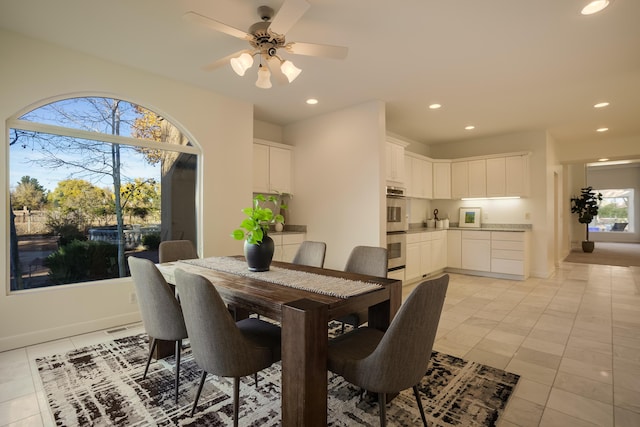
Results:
x,y
488,253
438,251
509,253
476,250
454,248
412,259
286,245
426,254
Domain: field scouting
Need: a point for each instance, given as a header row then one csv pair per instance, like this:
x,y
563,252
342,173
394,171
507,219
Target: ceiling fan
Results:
x,y
265,38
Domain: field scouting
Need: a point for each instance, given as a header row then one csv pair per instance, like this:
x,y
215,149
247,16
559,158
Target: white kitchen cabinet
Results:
x,y
439,253
476,250
496,177
454,248
508,176
425,254
286,245
459,180
408,177
510,253
468,179
412,259
477,178
395,162
427,176
419,177
272,168
441,180
517,175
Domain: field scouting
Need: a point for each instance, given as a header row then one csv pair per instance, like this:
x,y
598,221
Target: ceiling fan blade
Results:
x,y
216,25
290,12
312,49
224,61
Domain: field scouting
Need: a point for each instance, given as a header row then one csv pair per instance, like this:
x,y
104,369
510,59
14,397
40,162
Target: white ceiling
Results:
x,y
502,65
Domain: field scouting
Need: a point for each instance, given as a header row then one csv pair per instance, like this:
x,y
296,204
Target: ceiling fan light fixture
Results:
x,y
595,6
264,78
242,63
290,70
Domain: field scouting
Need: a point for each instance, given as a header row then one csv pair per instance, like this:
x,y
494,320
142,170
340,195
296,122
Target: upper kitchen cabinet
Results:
x,y
272,167
441,179
508,176
517,175
490,176
419,176
395,162
468,179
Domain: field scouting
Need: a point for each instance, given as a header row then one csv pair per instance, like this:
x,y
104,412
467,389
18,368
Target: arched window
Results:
x,y
94,180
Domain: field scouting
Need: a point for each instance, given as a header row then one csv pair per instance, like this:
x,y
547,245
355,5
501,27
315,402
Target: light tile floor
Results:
x,y
574,339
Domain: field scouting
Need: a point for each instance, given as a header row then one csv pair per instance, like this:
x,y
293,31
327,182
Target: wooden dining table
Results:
x,y
303,316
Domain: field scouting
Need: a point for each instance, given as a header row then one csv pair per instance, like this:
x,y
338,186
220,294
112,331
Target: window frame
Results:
x,y
26,125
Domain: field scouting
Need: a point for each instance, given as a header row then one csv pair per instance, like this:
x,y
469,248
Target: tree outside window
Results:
x,y
87,177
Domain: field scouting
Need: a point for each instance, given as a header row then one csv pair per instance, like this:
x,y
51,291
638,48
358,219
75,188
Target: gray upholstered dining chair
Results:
x,y
161,313
369,260
311,254
221,346
174,250
392,361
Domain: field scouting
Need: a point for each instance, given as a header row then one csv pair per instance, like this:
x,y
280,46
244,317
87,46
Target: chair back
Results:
x,y
159,308
369,260
311,254
217,344
175,250
402,356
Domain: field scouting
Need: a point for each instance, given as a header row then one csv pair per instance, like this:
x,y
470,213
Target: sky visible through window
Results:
x,y
83,114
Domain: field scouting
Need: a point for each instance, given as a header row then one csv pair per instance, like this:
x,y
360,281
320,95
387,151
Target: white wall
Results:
x,y
511,212
268,131
32,71
339,179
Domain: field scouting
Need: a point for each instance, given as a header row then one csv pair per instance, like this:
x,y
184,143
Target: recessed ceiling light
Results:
x,y
601,105
435,106
603,160
595,6
311,101
470,127
602,129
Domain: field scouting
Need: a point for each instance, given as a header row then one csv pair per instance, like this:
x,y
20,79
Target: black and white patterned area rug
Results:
x,y
102,385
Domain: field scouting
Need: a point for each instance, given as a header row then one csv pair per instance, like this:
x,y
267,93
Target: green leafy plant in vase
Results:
x,y
586,206
254,229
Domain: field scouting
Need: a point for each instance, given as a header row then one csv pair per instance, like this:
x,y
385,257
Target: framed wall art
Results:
x,y
470,217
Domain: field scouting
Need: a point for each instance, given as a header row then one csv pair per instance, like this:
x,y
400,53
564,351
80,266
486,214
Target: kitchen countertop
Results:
x,y
519,228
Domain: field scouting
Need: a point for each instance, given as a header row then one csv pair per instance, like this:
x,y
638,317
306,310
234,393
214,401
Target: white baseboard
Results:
x,y
44,335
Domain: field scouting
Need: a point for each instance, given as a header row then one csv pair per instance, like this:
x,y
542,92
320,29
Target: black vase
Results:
x,y
259,255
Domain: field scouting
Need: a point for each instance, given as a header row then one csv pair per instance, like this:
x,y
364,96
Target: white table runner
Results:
x,y
326,285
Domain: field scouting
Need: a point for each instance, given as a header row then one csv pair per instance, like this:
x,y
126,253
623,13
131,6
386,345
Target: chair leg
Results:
x,y
255,378
195,402
382,408
342,330
151,350
178,351
236,400
419,401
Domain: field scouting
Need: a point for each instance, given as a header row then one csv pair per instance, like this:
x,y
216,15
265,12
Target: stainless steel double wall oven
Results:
x,y
397,226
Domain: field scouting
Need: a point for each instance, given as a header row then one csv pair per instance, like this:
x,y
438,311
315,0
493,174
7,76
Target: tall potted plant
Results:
x,y
586,206
258,246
